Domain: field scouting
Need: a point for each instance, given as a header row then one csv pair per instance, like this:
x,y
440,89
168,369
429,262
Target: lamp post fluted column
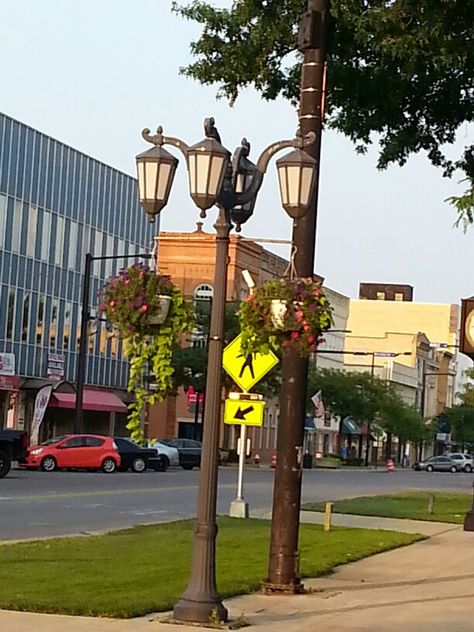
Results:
x,y
233,186
201,597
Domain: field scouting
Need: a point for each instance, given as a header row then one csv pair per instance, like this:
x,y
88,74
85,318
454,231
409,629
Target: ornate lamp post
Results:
x,y
232,185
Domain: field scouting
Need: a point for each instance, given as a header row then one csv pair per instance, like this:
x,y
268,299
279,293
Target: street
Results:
x,y
40,504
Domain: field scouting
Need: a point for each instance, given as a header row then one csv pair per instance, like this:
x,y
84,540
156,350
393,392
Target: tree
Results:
x,y
400,71
346,393
367,398
461,422
467,394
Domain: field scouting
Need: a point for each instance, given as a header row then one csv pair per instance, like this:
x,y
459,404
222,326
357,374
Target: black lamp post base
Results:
x,y
469,521
202,611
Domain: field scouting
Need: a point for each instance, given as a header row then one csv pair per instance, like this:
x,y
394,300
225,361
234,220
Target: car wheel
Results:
x,y
187,467
5,463
453,469
163,464
468,468
48,464
429,468
138,465
109,465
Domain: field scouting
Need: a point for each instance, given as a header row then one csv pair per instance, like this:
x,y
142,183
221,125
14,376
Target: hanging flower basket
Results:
x,y
285,312
150,314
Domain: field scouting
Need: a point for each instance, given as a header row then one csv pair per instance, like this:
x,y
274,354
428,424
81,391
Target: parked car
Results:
x,y
90,452
189,452
134,457
13,447
438,464
466,461
169,455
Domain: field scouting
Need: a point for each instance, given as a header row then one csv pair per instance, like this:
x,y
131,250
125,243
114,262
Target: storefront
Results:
x,y
9,390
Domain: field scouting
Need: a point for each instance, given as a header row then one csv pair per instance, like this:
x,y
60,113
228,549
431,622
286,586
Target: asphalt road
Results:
x,y
40,504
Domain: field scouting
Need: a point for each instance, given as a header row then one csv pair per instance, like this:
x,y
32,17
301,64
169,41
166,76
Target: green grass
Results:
x,y
448,507
145,569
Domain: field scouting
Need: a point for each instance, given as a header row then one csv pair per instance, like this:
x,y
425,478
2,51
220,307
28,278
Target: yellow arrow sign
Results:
x,y
246,370
245,413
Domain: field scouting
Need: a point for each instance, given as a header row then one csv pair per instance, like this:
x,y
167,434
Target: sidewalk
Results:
x,y
426,587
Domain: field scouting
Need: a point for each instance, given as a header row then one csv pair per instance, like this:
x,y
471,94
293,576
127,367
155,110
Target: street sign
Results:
x,y
244,412
246,370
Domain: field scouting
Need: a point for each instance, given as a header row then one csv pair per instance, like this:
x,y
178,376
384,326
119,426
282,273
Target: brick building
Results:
x,y
189,258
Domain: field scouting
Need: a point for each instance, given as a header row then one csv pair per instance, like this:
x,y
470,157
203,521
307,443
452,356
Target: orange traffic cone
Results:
x,y
274,460
390,466
256,459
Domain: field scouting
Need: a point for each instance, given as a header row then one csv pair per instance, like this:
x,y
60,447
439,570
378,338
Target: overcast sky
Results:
x,y
94,73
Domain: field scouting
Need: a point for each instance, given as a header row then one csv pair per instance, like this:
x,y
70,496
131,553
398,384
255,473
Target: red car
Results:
x,y
74,451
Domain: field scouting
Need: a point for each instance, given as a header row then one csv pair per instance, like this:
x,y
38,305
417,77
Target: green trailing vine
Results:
x,y
304,315
130,301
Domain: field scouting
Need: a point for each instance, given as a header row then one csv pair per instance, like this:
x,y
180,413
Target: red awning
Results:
x,y
102,401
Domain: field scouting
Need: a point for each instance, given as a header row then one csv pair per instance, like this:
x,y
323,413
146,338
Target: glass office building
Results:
x,y
57,204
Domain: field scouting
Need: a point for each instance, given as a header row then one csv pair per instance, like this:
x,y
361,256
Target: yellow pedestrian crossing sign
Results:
x,y
246,370
244,412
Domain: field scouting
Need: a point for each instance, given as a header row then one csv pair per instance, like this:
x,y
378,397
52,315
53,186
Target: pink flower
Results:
x,y
306,327
127,281
299,315
144,307
294,335
310,339
112,303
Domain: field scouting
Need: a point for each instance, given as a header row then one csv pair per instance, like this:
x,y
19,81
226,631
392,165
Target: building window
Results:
x,y
98,244
71,260
26,317
202,304
31,237
54,323
10,314
16,229
58,254
3,218
40,321
380,296
67,325
398,296
45,239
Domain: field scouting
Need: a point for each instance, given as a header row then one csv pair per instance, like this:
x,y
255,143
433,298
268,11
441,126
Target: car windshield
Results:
x,y
54,440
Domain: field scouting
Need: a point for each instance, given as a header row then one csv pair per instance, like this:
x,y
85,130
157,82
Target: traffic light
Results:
x,y
466,338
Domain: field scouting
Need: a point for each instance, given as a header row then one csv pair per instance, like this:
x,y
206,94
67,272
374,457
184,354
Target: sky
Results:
x,y
94,73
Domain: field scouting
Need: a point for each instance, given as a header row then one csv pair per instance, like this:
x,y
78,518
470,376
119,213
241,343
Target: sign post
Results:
x,y
245,409
238,507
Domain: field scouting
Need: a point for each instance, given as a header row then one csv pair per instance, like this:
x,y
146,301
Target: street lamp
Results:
x,y
232,185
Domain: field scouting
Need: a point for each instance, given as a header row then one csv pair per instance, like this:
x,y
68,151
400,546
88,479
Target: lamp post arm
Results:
x,y
160,140
263,161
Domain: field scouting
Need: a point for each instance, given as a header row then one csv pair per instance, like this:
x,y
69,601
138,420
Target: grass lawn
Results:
x,y
145,569
448,507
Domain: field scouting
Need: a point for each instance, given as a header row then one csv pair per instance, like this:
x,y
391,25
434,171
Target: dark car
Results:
x,y
137,459
189,452
438,464
13,447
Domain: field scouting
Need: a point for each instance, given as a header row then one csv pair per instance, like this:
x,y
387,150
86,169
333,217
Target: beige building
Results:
x,y
411,344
